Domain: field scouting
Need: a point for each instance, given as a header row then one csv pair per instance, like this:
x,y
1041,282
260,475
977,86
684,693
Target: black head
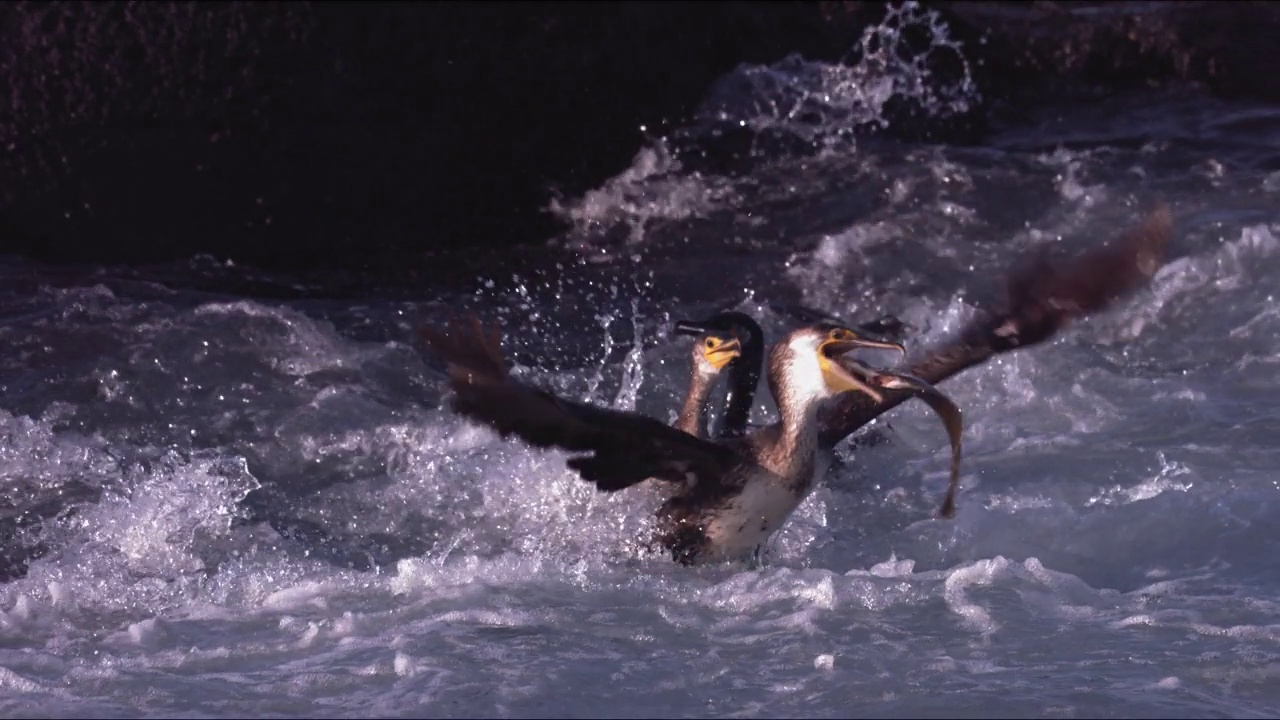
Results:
x,y
737,325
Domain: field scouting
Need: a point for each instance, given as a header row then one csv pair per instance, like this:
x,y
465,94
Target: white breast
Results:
x,y
749,518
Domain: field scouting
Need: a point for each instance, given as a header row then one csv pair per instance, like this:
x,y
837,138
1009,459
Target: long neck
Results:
x,y
697,402
797,434
744,376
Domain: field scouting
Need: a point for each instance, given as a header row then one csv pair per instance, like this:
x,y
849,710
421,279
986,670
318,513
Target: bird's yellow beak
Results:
x,y
837,375
720,352
842,340
839,379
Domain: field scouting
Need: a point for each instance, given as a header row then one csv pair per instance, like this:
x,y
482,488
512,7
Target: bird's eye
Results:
x,y
711,342
841,334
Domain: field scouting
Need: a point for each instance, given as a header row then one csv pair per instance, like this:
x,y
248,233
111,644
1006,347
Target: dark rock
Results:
x,y
1032,51
334,134
380,136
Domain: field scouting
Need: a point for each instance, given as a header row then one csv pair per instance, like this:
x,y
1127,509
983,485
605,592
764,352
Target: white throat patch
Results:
x,y
806,380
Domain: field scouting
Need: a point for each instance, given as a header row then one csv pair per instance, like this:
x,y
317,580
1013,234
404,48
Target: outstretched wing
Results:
x,y
1042,300
617,449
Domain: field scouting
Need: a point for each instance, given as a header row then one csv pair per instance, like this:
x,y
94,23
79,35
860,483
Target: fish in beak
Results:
x,y
951,418
848,374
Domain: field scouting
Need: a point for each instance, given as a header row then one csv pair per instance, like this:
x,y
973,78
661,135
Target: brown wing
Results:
x,y
619,449
1042,300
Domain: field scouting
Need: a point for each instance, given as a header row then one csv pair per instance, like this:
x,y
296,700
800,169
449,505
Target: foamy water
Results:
x,y
218,506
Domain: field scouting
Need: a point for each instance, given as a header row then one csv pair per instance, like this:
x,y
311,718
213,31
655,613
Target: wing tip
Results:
x,y
1149,241
1043,299
469,352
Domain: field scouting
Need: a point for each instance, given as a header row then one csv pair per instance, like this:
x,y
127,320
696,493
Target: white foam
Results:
x,y
745,591
404,665
652,189
1269,633
181,504
1231,265
819,102
1163,482
309,635
298,596
982,572
148,633
823,102
501,618
893,567
821,273
290,341
1068,181
346,625
14,682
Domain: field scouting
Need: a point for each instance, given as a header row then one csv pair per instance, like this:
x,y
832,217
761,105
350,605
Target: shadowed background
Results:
x,y
377,136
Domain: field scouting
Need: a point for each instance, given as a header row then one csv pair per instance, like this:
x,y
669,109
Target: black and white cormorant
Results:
x,y
729,495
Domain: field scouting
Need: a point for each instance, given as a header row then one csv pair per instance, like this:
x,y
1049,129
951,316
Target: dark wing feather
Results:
x,y
619,449
1042,300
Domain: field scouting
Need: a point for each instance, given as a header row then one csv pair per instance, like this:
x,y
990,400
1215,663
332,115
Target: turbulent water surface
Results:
x,y
216,504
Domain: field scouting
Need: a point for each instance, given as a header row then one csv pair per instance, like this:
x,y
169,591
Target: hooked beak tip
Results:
x,y
887,345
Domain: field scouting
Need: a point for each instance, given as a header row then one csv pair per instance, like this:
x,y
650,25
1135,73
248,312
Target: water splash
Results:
x,y
821,105
632,367
653,190
827,104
